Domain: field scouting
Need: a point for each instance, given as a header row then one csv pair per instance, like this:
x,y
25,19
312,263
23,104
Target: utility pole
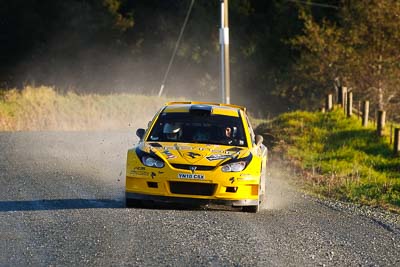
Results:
x,y
224,44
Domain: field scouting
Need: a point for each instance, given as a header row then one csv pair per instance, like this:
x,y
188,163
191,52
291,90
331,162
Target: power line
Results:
x,y
313,4
176,48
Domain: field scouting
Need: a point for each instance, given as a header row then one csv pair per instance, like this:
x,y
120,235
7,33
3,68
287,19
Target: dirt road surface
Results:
x,y
62,203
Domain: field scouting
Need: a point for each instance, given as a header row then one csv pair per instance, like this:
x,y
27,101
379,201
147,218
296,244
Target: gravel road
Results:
x,y
61,203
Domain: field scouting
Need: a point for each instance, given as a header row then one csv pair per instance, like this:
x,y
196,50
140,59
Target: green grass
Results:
x,y
43,108
339,158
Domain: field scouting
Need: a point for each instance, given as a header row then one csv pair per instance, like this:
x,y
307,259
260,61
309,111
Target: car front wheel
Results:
x,y
251,209
132,203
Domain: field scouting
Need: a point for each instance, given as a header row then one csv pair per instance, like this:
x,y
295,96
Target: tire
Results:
x,y
251,209
132,203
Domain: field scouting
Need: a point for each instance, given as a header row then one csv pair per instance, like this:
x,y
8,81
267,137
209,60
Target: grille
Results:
x,y
198,167
187,188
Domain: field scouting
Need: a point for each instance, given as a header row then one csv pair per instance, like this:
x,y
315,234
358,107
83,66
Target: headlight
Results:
x,y
234,167
149,159
152,162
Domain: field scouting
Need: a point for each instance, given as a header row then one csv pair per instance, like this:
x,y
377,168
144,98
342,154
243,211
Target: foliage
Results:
x,y
360,49
124,46
339,158
122,22
320,61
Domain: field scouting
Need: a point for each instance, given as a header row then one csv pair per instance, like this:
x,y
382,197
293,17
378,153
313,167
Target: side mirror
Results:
x,y
140,133
259,140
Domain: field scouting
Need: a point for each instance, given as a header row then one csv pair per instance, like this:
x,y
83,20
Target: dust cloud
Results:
x,y
70,165
280,194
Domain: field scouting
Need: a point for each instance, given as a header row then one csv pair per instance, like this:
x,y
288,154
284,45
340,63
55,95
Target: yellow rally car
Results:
x,y
197,153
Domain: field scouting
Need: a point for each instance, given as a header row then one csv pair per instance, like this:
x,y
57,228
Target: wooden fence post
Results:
x,y
396,146
381,122
328,102
365,113
359,110
349,104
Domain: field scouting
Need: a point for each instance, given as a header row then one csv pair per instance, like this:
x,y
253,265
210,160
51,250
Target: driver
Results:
x,y
229,134
172,131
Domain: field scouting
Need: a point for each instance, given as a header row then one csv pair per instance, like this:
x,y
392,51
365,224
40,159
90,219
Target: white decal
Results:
x,y
169,154
190,176
218,157
178,148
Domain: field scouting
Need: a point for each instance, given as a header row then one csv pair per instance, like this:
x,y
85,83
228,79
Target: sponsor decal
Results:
x,y
247,177
139,168
169,154
140,173
232,179
178,147
184,148
220,151
190,176
193,155
217,151
218,157
234,149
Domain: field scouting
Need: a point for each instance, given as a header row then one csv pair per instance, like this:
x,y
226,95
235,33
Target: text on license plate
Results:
x,y
190,176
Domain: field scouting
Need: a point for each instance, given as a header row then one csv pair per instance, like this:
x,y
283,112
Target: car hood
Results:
x,y
194,154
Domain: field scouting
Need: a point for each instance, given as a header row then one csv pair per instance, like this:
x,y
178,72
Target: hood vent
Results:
x,y
200,110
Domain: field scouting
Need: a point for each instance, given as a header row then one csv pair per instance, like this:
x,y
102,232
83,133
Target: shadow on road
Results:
x,y
63,204
183,207
59,204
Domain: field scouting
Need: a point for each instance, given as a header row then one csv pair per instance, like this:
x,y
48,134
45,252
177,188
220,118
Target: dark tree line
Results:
x,y
125,45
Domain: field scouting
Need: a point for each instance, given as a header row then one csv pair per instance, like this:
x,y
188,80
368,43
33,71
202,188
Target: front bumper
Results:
x,y
232,191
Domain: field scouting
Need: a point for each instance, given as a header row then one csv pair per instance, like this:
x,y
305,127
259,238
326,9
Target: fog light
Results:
x,y
231,189
152,184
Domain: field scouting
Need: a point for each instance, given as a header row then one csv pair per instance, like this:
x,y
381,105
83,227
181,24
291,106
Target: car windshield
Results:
x,y
191,128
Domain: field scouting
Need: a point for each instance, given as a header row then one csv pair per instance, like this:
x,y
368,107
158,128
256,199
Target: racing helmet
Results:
x,y
172,131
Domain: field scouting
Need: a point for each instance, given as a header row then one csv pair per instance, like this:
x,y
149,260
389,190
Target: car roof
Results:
x,y
214,108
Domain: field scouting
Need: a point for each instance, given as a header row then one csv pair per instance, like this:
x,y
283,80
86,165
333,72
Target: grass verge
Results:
x,y
43,108
339,158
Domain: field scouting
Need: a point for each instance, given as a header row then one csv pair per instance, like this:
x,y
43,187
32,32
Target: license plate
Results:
x,y
191,176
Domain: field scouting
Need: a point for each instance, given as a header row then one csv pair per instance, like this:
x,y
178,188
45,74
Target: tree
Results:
x,y
321,59
375,26
361,49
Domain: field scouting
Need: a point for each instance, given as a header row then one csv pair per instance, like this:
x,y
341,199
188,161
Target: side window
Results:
x,y
252,135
